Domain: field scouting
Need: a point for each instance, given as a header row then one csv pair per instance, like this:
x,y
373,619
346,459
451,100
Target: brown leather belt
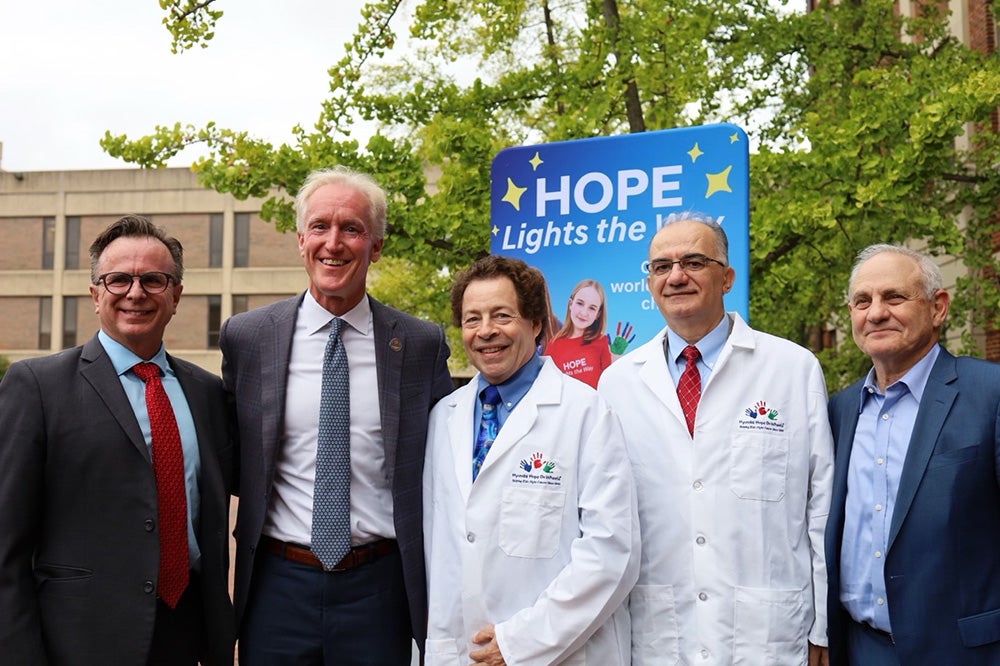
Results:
x,y
356,557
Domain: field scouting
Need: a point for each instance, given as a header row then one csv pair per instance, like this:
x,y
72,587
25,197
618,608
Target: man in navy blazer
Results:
x,y
913,537
80,548
370,606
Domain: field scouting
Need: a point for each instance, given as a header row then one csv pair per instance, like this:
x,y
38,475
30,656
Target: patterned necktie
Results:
x,y
489,426
171,499
689,386
331,525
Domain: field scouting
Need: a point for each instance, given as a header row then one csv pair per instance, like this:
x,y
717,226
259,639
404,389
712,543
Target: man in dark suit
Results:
x,y
86,576
296,602
913,537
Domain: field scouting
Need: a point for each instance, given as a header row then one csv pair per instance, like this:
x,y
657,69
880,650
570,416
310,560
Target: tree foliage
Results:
x,y
860,118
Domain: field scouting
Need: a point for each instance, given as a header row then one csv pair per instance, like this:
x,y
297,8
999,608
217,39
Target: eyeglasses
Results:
x,y
689,264
120,284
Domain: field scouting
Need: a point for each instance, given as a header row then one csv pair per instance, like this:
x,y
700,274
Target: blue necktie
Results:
x,y
489,426
331,525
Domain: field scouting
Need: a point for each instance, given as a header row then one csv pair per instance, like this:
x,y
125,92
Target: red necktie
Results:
x,y
171,500
689,386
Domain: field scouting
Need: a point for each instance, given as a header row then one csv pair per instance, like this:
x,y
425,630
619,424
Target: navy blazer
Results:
x,y
79,553
942,565
411,361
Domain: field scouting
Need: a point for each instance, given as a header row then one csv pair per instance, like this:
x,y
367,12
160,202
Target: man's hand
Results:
x,y
490,652
818,656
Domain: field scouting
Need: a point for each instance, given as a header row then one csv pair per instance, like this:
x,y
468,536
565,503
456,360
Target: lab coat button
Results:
x,y
470,537
698,485
700,540
703,596
704,654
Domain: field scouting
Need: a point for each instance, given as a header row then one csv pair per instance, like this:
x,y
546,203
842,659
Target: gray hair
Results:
x,y
721,240
341,175
930,273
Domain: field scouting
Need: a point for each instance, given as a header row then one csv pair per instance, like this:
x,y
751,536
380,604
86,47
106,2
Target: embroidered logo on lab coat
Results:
x,y
761,417
535,470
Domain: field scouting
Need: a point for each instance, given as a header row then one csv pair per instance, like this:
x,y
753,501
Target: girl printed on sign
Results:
x,y
580,348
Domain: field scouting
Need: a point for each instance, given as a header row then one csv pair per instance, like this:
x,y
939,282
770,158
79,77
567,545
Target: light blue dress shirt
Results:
x,y
881,440
710,346
135,389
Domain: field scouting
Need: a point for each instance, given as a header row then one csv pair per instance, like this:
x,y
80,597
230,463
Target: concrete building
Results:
x,y
233,260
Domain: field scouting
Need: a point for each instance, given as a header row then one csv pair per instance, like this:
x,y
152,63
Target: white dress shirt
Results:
x,y
289,515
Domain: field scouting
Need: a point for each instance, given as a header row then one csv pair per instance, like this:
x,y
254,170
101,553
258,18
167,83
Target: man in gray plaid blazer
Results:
x,y
370,606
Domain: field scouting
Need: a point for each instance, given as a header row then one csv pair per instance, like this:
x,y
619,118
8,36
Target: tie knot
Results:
x,y
335,325
146,371
491,396
691,353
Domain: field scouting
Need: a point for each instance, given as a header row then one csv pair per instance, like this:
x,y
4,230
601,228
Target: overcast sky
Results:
x,y
71,69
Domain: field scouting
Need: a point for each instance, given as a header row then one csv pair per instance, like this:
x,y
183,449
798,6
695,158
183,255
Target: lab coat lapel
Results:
x,y
654,374
461,434
546,389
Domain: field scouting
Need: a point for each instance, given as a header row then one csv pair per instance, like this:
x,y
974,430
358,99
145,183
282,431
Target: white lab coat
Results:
x,y
733,570
549,557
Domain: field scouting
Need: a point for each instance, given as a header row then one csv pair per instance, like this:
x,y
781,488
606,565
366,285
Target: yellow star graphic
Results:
x,y
734,137
535,161
513,196
695,153
495,230
718,182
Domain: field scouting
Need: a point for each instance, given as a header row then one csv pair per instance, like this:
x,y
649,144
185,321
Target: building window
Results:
x,y
215,241
242,258
241,304
214,320
48,242
72,243
69,322
45,322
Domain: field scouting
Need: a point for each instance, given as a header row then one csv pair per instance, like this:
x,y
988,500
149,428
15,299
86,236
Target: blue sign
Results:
x,y
586,210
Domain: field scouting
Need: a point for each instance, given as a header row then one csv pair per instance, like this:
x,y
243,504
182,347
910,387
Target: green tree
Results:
x,y
4,364
854,109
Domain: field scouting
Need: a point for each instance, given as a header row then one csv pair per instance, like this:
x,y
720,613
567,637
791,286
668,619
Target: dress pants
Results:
x,y
299,614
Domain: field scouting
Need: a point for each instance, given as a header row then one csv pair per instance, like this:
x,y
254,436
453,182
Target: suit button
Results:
x,y
147,587
149,524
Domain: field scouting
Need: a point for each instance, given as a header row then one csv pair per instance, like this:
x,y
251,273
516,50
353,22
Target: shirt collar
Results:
x,y
123,358
710,345
915,379
316,317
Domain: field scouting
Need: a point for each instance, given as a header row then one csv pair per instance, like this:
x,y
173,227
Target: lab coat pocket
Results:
x,y
770,627
531,521
655,637
757,464
441,652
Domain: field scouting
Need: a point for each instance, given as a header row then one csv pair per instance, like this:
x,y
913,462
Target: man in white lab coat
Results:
x,y
731,450
530,524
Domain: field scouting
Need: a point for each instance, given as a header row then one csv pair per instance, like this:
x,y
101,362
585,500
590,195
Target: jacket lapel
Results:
x,y
274,344
389,368
939,396
97,370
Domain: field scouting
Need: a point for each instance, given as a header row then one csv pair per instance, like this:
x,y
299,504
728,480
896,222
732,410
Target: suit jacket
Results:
x,y
79,553
411,358
942,565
